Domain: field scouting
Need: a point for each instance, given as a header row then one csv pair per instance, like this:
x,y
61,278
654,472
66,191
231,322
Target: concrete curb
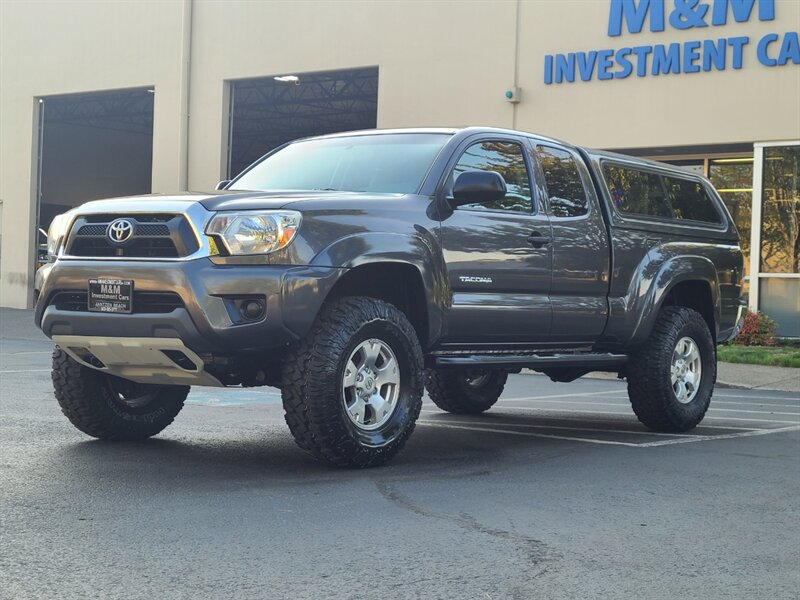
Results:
x,y
733,386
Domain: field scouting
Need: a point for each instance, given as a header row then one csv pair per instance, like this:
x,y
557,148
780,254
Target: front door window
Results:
x,y
506,158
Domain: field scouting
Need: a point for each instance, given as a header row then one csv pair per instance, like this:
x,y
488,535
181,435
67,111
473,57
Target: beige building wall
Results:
x,y
441,63
717,107
64,47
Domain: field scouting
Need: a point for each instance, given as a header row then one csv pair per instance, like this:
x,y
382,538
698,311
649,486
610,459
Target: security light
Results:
x,y
288,79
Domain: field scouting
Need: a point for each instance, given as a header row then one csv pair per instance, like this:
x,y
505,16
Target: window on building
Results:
x,y
780,299
564,186
636,192
780,210
733,180
690,201
506,158
692,165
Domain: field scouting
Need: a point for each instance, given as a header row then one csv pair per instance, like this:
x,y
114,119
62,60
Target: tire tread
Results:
x,y
81,395
652,402
311,406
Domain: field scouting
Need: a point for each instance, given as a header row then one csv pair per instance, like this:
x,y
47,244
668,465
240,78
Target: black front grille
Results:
x,y
143,302
157,230
153,236
141,248
93,230
75,301
156,302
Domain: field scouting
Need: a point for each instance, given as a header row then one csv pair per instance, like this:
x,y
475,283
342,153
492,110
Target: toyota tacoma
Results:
x,y
354,271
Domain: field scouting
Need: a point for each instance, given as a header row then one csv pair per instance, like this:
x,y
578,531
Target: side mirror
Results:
x,y
478,187
221,185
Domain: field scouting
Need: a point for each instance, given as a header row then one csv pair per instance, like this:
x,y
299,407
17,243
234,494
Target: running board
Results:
x,y
590,361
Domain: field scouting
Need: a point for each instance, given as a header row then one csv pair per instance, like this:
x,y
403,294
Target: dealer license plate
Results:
x,y
111,295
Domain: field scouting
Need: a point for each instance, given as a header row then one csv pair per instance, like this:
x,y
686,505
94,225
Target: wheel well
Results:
x,y
396,283
697,296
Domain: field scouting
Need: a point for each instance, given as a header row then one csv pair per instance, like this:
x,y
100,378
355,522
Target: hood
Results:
x,y
180,202
236,200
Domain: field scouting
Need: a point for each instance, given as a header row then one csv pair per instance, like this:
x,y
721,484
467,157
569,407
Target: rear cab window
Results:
x,y
643,193
565,190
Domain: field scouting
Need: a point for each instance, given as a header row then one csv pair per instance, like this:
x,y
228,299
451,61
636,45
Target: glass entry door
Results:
x,y
776,194
733,180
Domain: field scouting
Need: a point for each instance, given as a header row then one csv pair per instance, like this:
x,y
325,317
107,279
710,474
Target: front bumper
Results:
x,y
204,323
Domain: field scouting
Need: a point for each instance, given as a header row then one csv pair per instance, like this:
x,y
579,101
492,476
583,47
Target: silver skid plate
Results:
x,y
139,359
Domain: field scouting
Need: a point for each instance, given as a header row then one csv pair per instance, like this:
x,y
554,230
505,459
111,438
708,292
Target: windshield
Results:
x,y
389,163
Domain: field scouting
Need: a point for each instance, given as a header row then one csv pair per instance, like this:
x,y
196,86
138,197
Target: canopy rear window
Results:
x,y
645,193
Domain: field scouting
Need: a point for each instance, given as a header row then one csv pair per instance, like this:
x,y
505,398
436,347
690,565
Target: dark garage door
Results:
x,y
92,146
268,111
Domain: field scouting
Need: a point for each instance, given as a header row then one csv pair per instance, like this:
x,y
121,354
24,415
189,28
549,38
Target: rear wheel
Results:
x,y
112,408
465,391
352,389
671,378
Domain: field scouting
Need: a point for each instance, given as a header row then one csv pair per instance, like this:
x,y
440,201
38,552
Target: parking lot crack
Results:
x,y
539,556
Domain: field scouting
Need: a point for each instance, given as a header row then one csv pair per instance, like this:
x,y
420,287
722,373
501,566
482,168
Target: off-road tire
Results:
x,y
312,376
88,399
648,373
450,390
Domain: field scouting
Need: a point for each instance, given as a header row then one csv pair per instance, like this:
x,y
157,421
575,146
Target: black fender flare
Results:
x,y
419,250
653,291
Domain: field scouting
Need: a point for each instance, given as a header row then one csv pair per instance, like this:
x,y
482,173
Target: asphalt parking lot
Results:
x,y
556,492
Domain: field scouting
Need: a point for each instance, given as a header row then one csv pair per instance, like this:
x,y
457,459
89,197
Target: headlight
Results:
x,y
55,235
255,232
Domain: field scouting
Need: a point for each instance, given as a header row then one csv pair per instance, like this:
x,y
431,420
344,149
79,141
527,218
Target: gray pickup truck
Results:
x,y
353,271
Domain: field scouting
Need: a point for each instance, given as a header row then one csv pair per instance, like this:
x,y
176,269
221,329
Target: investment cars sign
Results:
x,y
702,55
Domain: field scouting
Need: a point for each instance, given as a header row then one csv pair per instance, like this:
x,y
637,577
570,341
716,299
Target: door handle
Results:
x,y
537,240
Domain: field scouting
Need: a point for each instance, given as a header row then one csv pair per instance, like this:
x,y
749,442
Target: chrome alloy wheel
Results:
x,y
686,370
131,394
371,384
477,377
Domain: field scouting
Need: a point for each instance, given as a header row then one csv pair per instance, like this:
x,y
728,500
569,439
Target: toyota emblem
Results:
x,y
120,231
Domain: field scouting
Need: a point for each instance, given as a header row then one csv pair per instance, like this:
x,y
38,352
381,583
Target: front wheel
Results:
x,y
112,408
671,378
352,389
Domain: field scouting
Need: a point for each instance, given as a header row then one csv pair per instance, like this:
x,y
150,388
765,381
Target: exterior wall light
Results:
x,y
513,94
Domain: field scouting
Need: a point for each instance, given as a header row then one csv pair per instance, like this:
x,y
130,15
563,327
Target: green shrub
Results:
x,y
758,330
